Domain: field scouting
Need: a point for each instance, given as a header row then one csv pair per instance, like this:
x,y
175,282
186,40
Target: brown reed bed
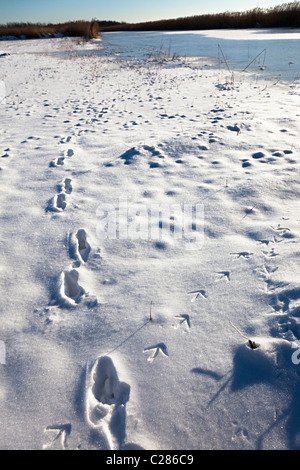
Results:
x,y
85,29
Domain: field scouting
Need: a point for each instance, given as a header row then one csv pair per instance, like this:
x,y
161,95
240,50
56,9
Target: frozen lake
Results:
x,y
277,49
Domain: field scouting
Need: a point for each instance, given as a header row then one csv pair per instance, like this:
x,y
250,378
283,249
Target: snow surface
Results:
x,y
246,34
82,365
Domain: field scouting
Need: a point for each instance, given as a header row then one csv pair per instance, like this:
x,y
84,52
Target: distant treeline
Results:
x,y
84,29
285,15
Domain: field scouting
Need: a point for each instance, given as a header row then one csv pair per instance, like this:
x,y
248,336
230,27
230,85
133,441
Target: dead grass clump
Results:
x,y
85,29
94,29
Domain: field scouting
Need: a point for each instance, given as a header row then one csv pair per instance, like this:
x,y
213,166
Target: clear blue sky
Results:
x,y
54,11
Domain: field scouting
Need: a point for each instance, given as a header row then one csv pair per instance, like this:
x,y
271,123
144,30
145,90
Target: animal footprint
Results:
x,y
198,293
242,254
270,254
83,246
106,399
61,201
234,128
57,203
70,153
70,292
65,139
283,232
265,271
79,246
184,319
66,186
160,348
57,162
223,275
239,432
267,242
154,154
6,154
129,156
62,431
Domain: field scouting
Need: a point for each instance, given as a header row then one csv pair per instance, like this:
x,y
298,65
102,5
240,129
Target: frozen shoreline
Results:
x,y
83,360
270,53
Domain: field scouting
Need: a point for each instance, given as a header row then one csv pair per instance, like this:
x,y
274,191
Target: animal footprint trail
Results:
x,y
69,292
105,404
60,161
58,203
283,299
6,154
286,307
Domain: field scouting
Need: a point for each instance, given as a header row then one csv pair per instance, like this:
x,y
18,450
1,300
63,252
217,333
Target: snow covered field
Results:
x,y
86,140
